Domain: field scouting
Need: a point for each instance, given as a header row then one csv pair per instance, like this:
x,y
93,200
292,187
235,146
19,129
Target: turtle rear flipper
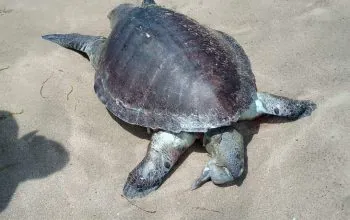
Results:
x,y
89,45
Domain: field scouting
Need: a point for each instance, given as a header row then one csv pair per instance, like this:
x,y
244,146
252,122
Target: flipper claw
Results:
x,y
202,179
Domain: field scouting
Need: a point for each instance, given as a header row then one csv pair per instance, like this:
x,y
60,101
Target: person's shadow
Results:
x,y
29,157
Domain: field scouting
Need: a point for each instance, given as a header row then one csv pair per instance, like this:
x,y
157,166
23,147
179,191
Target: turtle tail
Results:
x,y
90,45
148,2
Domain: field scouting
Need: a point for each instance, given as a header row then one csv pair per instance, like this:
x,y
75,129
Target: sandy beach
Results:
x,y
62,156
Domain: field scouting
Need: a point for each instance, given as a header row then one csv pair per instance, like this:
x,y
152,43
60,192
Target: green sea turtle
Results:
x,y
164,71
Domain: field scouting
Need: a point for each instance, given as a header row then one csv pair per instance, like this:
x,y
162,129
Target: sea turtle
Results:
x,y
164,71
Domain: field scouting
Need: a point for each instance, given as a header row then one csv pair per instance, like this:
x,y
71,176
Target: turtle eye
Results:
x,y
167,165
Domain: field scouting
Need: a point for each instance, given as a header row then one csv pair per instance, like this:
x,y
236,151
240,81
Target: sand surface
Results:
x,y
66,158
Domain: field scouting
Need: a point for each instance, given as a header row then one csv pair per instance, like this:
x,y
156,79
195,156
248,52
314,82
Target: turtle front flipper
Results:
x,y
269,104
163,152
226,148
285,107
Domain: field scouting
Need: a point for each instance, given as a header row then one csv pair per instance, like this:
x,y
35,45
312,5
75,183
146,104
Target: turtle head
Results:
x,y
147,176
119,12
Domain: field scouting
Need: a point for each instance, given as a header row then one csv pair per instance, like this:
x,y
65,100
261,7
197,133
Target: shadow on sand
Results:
x,y
30,157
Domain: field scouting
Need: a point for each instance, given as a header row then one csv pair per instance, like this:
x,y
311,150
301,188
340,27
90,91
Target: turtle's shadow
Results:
x,y
136,130
30,157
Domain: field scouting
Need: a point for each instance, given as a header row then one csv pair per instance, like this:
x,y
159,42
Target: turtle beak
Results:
x,y
146,177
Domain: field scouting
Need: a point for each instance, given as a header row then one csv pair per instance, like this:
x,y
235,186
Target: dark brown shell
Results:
x,y
163,70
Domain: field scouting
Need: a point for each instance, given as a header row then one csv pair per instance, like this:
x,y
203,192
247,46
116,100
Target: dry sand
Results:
x,y
75,166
